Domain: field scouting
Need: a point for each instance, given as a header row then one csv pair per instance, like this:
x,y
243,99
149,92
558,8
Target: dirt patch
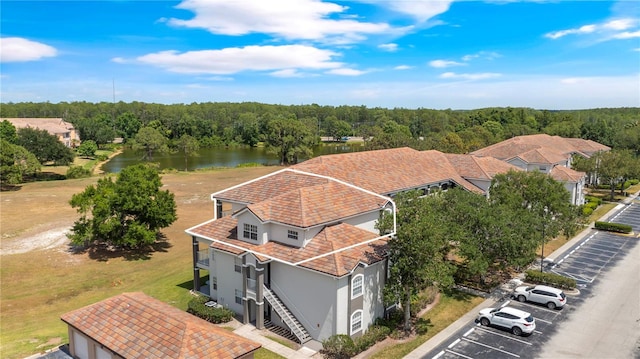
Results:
x,y
37,216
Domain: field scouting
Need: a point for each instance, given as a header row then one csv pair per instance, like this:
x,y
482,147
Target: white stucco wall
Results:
x,y
481,183
374,279
228,280
310,296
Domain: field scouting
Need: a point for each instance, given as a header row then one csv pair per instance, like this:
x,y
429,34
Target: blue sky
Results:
x,y
412,54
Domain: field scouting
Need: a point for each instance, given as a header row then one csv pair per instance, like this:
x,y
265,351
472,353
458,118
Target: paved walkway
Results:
x,y
249,331
504,290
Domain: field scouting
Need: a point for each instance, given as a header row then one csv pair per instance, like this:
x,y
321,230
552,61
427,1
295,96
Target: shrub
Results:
x,y
613,227
374,334
102,157
592,205
211,314
556,280
78,172
586,211
424,298
338,346
596,200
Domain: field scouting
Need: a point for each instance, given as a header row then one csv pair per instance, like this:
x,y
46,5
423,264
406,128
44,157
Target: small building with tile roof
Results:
x,y
134,325
299,248
63,130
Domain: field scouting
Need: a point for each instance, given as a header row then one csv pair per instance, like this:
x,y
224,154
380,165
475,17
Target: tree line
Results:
x,y
291,132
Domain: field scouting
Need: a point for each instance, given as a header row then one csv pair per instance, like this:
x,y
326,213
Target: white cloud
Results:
x,y
119,60
487,55
346,72
290,19
444,63
250,58
17,49
421,10
403,67
391,47
286,73
478,76
626,35
612,29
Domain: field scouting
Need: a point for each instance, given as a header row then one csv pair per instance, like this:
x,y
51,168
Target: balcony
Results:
x,y
203,258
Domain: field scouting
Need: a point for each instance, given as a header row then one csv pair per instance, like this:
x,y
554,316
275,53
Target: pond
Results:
x,y
220,157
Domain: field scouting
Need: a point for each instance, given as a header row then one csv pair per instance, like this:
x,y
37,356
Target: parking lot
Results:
x,y
586,261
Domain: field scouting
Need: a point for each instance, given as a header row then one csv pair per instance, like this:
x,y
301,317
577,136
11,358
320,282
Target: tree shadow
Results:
x,y
9,187
103,252
458,294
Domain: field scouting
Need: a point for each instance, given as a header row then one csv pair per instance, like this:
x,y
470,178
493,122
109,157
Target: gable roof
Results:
x,y
318,204
475,167
134,325
335,250
540,148
387,171
565,174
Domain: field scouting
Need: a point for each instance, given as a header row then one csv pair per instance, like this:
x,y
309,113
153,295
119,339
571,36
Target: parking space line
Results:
x,y
468,332
494,348
505,304
458,354
502,335
454,343
577,277
542,320
539,307
439,355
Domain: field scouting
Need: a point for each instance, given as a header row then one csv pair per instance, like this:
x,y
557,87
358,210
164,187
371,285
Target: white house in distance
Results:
x,y
63,130
298,248
548,154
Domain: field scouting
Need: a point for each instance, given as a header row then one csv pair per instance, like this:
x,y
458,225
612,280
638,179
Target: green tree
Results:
x,y
540,204
16,163
46,147
125,213
127,125
188,146
289,140
99,129
8,132
614,168
417,253
87,148
149,141
336,129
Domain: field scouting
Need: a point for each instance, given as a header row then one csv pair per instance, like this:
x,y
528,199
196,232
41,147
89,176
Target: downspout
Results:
x,y
196,270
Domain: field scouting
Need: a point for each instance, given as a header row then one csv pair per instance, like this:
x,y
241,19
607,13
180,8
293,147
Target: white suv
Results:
x,y
518,321
551,297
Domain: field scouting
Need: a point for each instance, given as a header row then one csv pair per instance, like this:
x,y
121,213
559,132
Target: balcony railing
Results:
x,y
203,257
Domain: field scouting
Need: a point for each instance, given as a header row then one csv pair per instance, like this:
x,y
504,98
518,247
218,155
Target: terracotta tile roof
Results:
x,y
333,244
475,167
552,147
387,171
318,204
51,125
565,174
587,147
269,186
134,325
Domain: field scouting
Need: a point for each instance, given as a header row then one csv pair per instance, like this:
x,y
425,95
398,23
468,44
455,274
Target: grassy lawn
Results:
x,y
449,309
40,285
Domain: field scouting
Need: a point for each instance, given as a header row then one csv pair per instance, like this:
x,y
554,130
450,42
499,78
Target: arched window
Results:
x,y
356,285
356,321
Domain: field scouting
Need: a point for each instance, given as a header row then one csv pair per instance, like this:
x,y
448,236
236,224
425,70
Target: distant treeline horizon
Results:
x,y
247,123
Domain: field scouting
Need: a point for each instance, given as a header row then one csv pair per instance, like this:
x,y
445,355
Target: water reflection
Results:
x,y
218,157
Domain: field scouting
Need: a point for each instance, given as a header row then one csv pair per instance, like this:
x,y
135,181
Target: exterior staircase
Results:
x,y
301,334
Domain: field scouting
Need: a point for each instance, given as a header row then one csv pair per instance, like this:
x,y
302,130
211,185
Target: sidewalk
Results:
x,y
249,331
505,289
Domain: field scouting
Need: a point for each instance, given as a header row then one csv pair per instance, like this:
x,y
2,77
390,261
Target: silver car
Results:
x,y
551,297
516,320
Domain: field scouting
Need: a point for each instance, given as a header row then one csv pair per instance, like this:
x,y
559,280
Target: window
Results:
x,y
238,265
250,231
543,168
238,296
356,321
292,234
356,285
215,283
